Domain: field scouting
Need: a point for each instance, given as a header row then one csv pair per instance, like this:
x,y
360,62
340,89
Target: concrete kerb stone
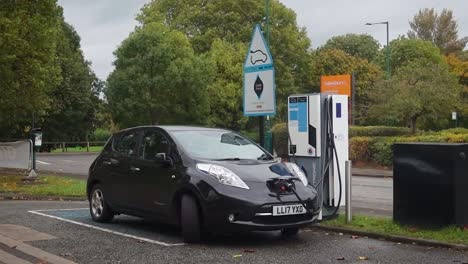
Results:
x,y
394,238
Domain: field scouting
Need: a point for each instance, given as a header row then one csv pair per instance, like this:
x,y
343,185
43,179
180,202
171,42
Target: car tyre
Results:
x,y
292,231
98,206
190,219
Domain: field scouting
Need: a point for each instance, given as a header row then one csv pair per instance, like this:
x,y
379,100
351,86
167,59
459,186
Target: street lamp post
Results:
x,y
387,56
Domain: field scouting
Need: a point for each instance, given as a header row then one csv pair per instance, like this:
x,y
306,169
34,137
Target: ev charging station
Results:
x,y
318,143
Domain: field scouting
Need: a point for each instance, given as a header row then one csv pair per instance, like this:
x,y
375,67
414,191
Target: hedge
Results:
x,y
378,131
375,149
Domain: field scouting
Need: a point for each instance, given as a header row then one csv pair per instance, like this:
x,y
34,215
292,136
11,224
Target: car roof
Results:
x,y
177,128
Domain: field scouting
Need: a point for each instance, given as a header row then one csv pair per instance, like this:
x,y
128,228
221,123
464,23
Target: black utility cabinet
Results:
x,y
430,184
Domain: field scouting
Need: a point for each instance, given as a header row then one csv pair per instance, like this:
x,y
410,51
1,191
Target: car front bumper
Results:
x,y
253,209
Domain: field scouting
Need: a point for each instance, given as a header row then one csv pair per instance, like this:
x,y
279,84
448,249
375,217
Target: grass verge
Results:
x,y
450,234
79,149
45,186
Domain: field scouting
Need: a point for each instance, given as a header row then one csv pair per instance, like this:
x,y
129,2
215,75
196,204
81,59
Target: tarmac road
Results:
x,y
82,244
370,195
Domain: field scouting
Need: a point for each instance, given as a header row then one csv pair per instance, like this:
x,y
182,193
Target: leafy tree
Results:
x,y
204,22
404,51
417,95
74,100
224,93
28,65
440,29
336,62
361,46
459,67
158,79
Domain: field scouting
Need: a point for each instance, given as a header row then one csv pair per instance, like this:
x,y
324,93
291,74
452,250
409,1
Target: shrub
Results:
x,y
280,139
359,148
378,131
100,135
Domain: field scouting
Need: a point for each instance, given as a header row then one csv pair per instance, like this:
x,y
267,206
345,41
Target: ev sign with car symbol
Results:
x,y
259,78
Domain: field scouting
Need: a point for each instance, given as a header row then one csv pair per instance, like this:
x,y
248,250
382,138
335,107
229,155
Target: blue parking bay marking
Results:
x,y
122,225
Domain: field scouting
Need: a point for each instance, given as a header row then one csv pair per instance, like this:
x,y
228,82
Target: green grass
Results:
x,y
80,149
45,186
450,234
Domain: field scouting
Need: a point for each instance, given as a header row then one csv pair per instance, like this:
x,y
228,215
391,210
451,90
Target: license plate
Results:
x,y
292,209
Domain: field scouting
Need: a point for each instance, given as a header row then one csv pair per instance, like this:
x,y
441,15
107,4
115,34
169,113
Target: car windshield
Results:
x,y
219,145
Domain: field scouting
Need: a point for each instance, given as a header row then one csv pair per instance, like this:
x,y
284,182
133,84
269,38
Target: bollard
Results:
x,y
87,146
348,214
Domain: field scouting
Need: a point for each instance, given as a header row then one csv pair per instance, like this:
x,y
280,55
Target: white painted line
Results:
x,y
43,162
65,209
107,230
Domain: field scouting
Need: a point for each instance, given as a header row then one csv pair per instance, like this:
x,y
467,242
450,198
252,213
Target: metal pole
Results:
x,y
261,125
261,120
349,214
388,55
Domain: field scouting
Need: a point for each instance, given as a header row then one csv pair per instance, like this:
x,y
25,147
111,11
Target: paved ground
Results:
x,y
82,244
371,195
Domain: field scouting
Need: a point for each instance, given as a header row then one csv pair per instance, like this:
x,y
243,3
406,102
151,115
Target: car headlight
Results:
x,y
297,172
224,175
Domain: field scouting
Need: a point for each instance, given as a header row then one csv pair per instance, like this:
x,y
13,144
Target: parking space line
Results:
x,y
43,162
63,209
38,212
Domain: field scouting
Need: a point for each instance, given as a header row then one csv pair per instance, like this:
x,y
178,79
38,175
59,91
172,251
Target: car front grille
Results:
x,y
285,219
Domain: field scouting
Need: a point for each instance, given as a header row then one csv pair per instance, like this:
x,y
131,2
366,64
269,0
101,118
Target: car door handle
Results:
x,y
134,169
110,162
106,162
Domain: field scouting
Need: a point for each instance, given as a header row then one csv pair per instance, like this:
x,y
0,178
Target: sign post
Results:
x,y
259,80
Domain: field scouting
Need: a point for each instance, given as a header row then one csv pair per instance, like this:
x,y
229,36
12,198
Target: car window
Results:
x,y
127,143
153,142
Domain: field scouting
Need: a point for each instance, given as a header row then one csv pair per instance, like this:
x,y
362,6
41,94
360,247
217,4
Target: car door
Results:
x,y
118,163
156,178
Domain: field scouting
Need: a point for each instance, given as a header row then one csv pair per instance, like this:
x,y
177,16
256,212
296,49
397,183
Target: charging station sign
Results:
x,y
259,78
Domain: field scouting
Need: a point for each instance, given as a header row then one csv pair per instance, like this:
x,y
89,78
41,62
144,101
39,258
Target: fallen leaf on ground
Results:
x,y
65,254
340,258
340,234
237,256
249,250
363,258
13,247
371,247
354,237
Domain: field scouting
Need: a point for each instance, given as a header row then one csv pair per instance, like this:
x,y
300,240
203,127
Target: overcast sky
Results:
x,y
103,24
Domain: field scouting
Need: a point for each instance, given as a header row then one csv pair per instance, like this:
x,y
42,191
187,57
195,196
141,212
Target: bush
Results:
x,y
100,135
378,131
280,139
359,149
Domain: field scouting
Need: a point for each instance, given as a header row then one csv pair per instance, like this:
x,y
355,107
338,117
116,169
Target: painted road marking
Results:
x,y
39,212
43,162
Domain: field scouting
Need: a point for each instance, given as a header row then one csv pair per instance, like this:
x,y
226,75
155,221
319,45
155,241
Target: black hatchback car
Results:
x,y
201,179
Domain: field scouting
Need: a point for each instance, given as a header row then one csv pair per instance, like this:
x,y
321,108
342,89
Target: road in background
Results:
x,y
371,195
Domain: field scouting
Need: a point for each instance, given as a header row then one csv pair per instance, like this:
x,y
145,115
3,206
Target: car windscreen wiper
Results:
x,y
228,159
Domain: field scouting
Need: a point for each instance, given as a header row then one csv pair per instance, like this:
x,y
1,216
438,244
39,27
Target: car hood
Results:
x,y
254,171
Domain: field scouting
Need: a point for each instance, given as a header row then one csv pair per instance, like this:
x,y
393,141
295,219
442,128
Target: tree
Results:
x,y
417,95
361,46
405,51
440,29
224,93
158,79
75,99
204,22
336,62
459,67
28,65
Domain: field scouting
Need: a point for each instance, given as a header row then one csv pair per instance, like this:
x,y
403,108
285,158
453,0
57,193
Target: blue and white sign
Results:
x,y
259,78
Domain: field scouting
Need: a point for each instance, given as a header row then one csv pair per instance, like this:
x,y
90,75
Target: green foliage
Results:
x,y
377,131
280,139
359,149
46,186
333,62
440,29
224,91
73,101
100,134
205,22
158,79
406,51
417,92
360,46
28,65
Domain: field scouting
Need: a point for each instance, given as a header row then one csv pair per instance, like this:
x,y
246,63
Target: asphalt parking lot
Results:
x,y
133,240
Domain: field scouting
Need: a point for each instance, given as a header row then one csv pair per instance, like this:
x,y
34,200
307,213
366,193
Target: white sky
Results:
x,y
103,24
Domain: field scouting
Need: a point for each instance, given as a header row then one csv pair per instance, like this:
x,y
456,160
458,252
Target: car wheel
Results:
x,y
98,207
190,219
290,231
